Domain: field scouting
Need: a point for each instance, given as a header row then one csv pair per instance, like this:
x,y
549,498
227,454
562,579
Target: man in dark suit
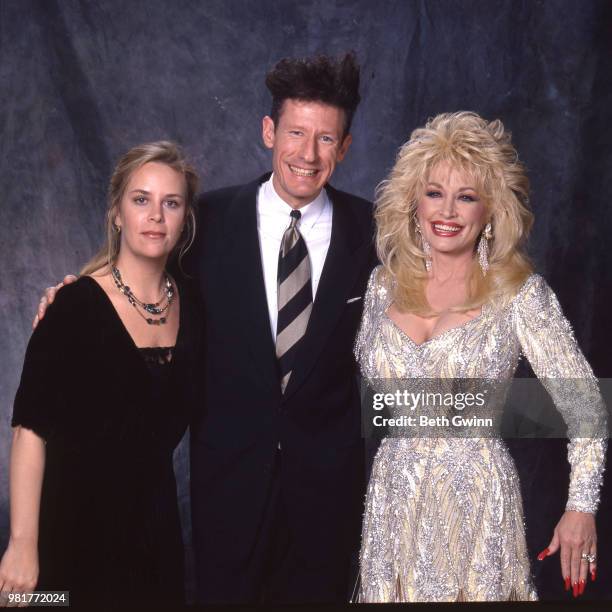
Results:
x,y
276,455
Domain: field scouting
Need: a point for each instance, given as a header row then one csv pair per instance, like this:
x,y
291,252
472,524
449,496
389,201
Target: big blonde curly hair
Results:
x,y
483,150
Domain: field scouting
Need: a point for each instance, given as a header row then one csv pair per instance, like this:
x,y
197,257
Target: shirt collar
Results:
x,y
275,205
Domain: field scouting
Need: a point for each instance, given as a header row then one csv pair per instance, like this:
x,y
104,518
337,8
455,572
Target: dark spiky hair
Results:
x,y
316,79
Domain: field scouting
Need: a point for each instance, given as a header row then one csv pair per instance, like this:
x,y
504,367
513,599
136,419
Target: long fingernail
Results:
x,y
582,586
575,589
567,583
543,554
593,574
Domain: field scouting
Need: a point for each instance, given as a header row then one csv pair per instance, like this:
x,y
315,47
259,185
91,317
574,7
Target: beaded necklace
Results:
x,y
153,309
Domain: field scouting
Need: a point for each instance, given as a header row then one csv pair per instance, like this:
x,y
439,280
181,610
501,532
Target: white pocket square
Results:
x,y
351,300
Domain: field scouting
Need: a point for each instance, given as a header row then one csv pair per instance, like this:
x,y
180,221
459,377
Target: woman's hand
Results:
x,y
575,534
18,569
19,565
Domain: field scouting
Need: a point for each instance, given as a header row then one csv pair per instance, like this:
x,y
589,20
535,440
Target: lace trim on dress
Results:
x,y
157,355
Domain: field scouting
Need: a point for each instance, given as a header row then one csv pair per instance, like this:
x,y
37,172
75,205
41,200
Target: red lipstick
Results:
x,y
445,229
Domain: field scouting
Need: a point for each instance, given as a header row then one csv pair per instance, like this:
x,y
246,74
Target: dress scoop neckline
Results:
x,y
124,329
442,334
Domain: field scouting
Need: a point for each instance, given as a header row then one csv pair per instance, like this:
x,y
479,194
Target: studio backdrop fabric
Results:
x,y
82,82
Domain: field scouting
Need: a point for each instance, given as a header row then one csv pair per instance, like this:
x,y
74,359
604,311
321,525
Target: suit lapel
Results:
x,y
245,281
339,276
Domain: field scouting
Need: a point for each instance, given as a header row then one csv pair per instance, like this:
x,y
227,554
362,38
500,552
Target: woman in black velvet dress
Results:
x,y
104,399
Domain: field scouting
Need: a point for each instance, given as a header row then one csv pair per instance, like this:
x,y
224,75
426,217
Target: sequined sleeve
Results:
x,y
375,292
547,340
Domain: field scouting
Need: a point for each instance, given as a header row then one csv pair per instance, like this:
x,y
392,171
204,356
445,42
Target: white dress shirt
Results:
x,y
273,219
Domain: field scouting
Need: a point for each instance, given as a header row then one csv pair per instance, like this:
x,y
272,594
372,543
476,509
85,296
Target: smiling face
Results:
x,y
152,211
306,145
451,211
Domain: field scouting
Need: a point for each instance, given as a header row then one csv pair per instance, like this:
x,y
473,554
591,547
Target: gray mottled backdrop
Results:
x,y
81,82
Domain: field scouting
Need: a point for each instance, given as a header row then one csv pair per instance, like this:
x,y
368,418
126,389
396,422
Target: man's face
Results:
x,y
306,145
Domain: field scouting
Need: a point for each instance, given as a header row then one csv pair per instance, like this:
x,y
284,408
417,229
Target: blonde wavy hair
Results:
x,y
163,152
483,150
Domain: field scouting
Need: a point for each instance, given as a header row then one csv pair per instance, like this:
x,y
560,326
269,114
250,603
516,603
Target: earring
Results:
x,y
483,248
116,228
425,246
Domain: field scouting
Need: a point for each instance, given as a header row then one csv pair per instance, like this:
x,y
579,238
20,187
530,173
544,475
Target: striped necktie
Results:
x,y
294,297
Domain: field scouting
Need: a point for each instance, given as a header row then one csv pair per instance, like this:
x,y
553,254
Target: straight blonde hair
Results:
x,y
163,152
484,151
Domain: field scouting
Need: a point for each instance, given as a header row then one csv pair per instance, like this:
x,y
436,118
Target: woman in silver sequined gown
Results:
x,y
443,518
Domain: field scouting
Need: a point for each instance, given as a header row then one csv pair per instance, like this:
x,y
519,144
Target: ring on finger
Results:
x,y
588,557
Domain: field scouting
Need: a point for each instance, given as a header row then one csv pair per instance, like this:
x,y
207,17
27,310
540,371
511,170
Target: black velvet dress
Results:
x,y
111,416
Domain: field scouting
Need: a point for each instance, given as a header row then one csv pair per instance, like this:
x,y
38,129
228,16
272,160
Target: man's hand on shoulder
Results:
x,y
49,296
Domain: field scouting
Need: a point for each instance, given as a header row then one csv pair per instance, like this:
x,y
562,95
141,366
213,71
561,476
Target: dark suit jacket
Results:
x,y
244,416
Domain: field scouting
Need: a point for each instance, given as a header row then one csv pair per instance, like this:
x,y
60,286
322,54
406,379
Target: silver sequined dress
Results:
x,y
443,517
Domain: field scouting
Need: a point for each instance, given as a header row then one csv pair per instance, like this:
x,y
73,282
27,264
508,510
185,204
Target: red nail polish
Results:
x,y
575,589
581,586
567,583
593,574
543,554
